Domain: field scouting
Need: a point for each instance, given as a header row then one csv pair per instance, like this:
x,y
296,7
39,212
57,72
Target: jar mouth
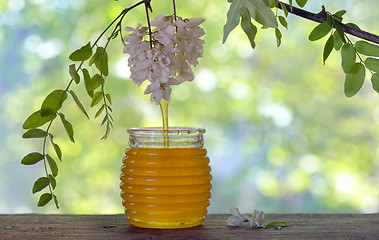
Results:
x,y
174,137
172,131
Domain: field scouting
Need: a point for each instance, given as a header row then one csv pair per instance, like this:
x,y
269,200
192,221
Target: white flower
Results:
x,y
167,60
236,219
164,29
256,218
157,93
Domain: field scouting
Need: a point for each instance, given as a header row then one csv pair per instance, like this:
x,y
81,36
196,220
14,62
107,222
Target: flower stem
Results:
x,y
174,6
148,22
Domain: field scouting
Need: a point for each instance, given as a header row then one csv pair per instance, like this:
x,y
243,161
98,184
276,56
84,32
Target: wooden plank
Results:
x,y
302,226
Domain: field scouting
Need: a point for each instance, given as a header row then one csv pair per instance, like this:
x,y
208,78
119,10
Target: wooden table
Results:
x,y
301,226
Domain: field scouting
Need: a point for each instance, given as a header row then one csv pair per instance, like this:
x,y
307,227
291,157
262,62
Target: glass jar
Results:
x,y
165,179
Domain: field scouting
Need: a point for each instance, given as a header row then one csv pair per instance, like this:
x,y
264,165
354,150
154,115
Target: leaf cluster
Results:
x,y
243,11
50,166
352,62
94,84
52,104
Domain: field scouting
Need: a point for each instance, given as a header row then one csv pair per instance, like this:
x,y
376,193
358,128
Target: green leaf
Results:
x,y
340,31
52,181
73,73
277,225
319,31
367,49
328,48
56,147
330,21
53,165
283,21
301,3
261,13
232,18
285,10
109,98
40,184
340,13
348,56
67,125
102,64
291,6
58,151
336,18
267,2
78,103
36,120
35,133
96,98
375,81
274,3
353,25
337,41
32,158
107,131
354,80
100,58
95,82
99,111
53,102
372,64
87,80
82,54
110,117
278,35
56,201
44,199
104,120
95,58
249,28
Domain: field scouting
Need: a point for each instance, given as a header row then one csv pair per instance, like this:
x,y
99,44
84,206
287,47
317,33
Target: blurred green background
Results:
x,y
281,135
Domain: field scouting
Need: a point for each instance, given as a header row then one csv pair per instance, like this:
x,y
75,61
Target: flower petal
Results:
x,y
196,21
236,212
256,218
234,221
152,87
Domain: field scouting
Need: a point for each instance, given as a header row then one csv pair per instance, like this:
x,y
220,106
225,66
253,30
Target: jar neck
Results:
x,y
175,137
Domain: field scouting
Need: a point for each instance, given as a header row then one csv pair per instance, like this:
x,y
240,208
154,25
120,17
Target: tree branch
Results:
x,y
321,17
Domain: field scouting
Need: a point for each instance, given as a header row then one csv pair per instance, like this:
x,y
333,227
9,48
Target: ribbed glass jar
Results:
x,y
165,179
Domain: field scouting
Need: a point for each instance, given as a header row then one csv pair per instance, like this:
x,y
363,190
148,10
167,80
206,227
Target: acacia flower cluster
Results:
x,y
166,58
238,218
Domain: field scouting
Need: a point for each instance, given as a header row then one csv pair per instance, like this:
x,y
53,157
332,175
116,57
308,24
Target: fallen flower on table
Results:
x,y
237,218
254,219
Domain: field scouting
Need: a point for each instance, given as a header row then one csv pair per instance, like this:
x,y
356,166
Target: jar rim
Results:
x,y
172,131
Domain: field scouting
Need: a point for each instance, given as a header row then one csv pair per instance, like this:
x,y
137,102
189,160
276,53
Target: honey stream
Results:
x,y
164,110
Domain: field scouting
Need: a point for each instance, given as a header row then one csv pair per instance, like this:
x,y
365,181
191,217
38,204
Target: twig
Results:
x,y
321,17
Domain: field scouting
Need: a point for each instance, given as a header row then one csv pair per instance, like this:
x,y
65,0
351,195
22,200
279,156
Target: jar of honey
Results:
x,y
165,179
